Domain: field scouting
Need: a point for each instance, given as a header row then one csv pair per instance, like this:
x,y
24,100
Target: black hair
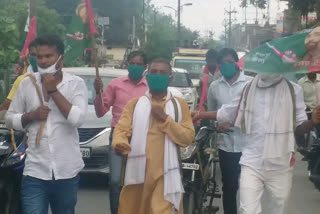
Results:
x,y
227,51
138,53
32,44
51,41
164,61
211,55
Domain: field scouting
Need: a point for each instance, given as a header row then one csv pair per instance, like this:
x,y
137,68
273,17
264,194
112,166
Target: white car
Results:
x,y
94,133
182,82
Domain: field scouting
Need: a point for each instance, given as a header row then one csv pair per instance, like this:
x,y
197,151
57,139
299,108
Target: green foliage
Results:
x,y
9,35
162,34
304,6
259,3
13,16
161,42
48,20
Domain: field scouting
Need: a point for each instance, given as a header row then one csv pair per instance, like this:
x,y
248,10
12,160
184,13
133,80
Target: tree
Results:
x,y
161,40
258,3
48,20
9,35
162,34
304,6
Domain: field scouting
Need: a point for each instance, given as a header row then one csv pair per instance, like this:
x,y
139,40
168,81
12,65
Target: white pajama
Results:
x,y
258,175
253,183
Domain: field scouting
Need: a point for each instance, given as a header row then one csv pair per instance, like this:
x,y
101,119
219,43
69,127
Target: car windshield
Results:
x,y
195,67
89,80
180,80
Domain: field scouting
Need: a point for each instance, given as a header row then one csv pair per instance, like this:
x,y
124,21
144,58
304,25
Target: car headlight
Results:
x,y
188,151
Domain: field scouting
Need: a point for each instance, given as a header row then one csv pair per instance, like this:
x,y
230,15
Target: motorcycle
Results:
x,y
199,162
312,155
12,159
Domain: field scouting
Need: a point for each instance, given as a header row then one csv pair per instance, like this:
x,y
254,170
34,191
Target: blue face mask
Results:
x,y
158,83
228,70
135,71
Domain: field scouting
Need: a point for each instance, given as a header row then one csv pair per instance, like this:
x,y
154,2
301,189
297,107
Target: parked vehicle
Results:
x,y
94,133
182,82
191,59
11,167
199,163
312,155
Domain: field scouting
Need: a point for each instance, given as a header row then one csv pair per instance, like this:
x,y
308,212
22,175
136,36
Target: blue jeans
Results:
x,y
115,163
37,194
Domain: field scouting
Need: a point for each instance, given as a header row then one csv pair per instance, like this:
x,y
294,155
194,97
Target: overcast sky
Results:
x,y
208,15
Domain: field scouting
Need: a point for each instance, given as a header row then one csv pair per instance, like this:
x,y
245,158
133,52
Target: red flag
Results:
x,y
92,28
30,37
241,63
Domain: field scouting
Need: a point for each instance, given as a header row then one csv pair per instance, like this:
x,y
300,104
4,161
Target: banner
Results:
x,y
298,53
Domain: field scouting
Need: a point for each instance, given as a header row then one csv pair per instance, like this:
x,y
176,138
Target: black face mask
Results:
x,y
212,68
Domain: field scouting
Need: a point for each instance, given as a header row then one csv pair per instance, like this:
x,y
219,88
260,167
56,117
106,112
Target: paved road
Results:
x,y
305,199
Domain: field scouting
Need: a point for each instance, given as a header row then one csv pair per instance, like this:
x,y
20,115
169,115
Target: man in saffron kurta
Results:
x,y
148,197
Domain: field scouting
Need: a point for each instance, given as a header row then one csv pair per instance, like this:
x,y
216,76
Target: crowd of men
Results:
x,y
149,125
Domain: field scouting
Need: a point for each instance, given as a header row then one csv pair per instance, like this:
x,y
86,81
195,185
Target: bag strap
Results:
x,y
42,123
293,96
176,115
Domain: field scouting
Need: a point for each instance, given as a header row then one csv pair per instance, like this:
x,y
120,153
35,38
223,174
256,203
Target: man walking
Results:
x,y
269,112
223,91
118,93
50,117
157,124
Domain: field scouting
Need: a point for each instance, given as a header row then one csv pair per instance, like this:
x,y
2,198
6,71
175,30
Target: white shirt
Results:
x,y
254,143
58,154
220,93
310,91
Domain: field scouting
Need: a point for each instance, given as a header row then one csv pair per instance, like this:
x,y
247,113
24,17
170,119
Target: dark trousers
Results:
x,y
230,172
115,163
37,194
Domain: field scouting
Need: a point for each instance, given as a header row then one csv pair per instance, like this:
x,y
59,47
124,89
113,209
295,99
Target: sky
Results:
x,y
209,15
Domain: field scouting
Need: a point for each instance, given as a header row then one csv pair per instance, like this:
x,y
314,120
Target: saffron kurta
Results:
x,y
148,198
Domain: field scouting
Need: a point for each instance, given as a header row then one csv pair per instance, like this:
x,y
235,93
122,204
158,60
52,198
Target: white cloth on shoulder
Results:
x,y
136,163
279,140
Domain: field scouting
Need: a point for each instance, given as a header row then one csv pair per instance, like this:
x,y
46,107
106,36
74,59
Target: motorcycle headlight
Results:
x,y
188,151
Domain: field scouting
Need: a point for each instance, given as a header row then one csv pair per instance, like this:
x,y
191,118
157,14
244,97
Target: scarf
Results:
x,y
136,163
279,140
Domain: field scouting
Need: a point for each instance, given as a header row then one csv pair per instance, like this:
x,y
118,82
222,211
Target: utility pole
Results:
x,y
32,6
143,20
179,24
230,12
225,24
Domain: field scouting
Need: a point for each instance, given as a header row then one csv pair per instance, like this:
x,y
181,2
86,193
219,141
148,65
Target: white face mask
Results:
x,y
268,80
49,70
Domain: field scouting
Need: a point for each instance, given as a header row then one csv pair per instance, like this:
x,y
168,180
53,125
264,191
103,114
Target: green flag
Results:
x,y
77,39
299,53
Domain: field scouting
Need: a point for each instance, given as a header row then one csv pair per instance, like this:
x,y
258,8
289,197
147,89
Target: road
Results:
x,y
305,199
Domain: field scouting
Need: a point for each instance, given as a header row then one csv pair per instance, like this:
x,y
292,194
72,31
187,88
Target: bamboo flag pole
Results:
x,y
93,31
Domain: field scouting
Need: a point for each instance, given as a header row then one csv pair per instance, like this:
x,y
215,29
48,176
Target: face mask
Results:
x,y
49,70
135,71
228,70
158,83
268,80
33,63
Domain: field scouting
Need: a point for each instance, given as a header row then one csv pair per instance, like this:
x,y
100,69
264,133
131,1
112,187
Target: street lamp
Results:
x,y
179,15
179,21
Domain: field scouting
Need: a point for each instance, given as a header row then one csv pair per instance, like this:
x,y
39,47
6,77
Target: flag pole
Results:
x,y
95,55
